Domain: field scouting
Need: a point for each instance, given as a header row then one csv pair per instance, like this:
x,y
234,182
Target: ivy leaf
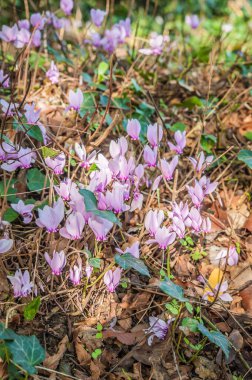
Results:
x,y
10,215
10,191
245,156
91,206
36,181
217,338
192,102
191,324
208,142
27,352
31,309
6,334
32,130
95,262
178,127
127,261
88,104
102,68
173,290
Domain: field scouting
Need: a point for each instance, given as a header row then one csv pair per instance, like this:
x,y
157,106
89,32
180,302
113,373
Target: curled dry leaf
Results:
x,y
52,361
128,338
247,299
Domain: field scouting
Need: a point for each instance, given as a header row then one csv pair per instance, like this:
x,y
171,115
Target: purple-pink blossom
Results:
x,y
57,262
153,221
201,163
51,217
66,6
25,210
87,160
163,237
74,225
21,283
75,273
57,163
5,244
230,255
167,168
154,134
192,20
4,79
112,279
53,73
75,100
180,138
134,129
150,156
100,227
133,250
9,34
97,16
158,327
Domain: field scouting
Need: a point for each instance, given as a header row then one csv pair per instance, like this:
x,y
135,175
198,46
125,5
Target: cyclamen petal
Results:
x,y
154,134
97,16
112,279
133,129
57,263
50,217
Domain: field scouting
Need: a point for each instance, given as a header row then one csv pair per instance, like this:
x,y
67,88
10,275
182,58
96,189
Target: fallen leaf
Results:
x,y
128,338
52,361
213,280
247,299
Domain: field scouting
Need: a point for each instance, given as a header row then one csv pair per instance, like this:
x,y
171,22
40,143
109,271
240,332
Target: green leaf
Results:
x,y
127,261
102,68
191,324
10,191
95,262
99,335
248,136
31,309
6,334
173,290
96,353
178,127
10,215
246,156
136,86
208,142
217,338
36,181
189,307
49,152
192,102
174,309
99,327
32,130
91,206
26,352
88,105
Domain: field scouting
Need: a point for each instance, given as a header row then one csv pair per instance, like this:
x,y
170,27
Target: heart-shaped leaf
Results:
x,y
127,261
173,290
217,338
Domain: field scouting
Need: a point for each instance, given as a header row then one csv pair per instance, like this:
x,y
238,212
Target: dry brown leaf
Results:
x,y
82,355
247,299
248,223
52,361
128,338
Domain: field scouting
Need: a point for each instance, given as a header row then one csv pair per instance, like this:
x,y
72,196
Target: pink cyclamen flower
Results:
x,y
153,221
150,156
196,193
178,226
21,283
230,255
201,163
9,34
207,186
57,263
115,199
4,79
50,217
5,244
158,327
87,160
75,273
192,20
156,42
134,129
75,100
24,210
53,73
23,38
112,279
154,134
194,220
38,21
88,269
97,16
220,291
167,169
100,227
7,151
66,189
24,24
180,138
36,38
66,6
206,225
31,115
180,210
25,158
133,250
118,148
57,163
73,227
163,237
9,109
